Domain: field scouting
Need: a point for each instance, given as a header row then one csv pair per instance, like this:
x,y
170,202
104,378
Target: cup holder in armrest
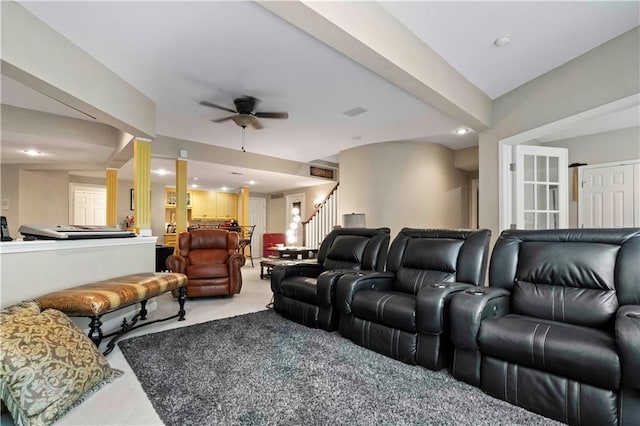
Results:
x,y
633,315
475,292
439,285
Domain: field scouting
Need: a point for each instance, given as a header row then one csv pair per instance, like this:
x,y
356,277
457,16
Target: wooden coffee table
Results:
x,y
294,252
270,262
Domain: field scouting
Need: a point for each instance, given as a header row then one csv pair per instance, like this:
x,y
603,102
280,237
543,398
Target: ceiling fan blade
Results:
x,y
257,124
220,120
281,115
209,104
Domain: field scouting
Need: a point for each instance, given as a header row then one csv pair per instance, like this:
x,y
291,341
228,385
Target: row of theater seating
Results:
x,y
557,331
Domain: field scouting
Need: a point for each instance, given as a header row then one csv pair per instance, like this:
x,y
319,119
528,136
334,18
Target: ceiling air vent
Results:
x,y
320,172
276,196
355,111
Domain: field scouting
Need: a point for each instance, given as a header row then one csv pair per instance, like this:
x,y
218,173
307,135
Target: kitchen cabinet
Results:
x,y
204,205
170,239
227,206
170,198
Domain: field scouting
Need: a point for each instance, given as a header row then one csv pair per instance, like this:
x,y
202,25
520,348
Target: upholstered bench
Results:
x,y
96,299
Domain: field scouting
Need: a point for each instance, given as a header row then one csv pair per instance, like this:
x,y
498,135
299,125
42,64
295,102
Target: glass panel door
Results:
x,y
541,187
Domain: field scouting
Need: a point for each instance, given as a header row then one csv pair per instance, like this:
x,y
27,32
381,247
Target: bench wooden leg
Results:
x,y
95,332
182,291
143,310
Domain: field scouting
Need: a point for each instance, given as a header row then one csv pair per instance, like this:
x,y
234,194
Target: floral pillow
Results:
x,y
47,365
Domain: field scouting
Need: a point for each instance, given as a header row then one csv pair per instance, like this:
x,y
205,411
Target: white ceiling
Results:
x,y
180,53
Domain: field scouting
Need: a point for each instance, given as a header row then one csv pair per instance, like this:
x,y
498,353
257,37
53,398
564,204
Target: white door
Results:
x,y
89,207
258,217
608,196
541,187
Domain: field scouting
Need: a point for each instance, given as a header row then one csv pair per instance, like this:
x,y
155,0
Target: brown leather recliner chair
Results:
x,y
210,260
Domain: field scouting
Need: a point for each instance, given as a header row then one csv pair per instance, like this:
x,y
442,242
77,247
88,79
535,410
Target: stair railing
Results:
x,y
324,218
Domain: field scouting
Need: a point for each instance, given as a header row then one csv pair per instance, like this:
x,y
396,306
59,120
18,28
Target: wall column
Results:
x,y
243,206
243,211
112,197
181,197
142,185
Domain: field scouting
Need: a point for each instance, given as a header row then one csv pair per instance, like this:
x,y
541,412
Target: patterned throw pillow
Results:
x,y
47,365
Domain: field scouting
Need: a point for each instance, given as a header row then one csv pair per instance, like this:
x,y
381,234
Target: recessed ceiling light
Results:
x,y
32,152
356,138
252,182
195,178
461,131
503,40
224,188
161,172
193,185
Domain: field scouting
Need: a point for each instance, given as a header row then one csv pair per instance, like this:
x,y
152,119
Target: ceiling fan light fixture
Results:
x,y
243,120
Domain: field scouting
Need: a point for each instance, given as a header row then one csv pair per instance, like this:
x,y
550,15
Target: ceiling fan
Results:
x,y
244,112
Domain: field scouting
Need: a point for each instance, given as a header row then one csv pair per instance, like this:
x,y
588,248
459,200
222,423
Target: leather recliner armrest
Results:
x,y
350,283
177,263
235,263
326,284
628,341
281,272
432,303
467,310
237,260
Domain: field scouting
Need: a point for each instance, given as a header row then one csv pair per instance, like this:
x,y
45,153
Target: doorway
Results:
x,y
506,207
294,210
540,187
473,204
88,205
257,217
609,195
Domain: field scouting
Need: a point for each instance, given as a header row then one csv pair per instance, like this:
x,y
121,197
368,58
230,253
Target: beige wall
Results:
x,y
466,159
275,214
9,190
600,76
404,184
600,148
43,197
607,147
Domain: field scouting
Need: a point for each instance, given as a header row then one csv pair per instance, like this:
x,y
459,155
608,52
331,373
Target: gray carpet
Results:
x,y
259,369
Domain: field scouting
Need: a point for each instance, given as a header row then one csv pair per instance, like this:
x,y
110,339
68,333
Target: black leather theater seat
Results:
x,y
558,330
403,312
305,292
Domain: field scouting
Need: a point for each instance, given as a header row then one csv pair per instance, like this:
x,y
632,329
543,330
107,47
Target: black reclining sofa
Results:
x,y
558,329
305,292
402,313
